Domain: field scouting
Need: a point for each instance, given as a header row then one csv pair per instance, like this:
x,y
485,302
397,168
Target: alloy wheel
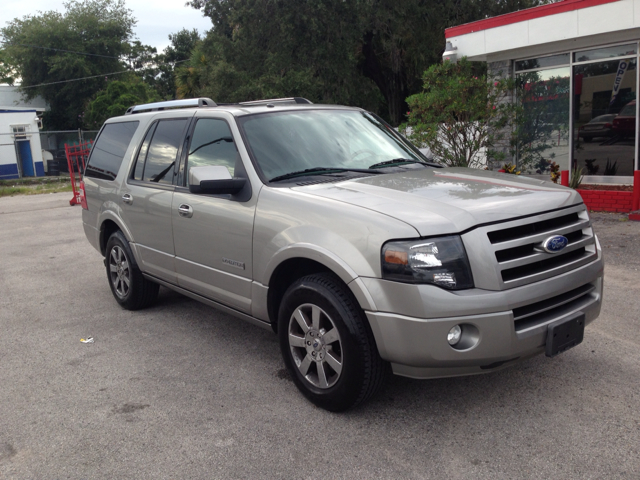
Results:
x,y
315,345
119,271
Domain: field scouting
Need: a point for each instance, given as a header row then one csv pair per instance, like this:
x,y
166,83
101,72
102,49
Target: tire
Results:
x,y
130,289
327,344
587,139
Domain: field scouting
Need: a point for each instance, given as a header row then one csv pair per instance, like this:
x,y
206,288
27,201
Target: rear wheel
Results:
x,y
128,285
327,344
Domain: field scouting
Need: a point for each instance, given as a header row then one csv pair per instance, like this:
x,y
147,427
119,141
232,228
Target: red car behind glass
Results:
x,y
625,123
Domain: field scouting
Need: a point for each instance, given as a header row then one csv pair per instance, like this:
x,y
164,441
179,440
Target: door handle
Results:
x,y
128,199
185,210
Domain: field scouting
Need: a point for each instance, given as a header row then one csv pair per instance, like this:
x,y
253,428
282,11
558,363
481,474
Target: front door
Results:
x,y
213,234
24,158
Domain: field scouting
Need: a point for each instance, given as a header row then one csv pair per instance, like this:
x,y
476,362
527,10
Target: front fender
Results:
x,y
328,259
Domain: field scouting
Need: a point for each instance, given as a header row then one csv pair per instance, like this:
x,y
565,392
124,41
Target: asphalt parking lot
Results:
x,y
182,391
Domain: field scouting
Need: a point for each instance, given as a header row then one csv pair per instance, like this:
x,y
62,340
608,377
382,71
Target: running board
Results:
x,y
211,303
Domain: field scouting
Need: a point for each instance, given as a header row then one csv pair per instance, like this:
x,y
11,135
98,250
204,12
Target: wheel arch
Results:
x,y
299,262
110,223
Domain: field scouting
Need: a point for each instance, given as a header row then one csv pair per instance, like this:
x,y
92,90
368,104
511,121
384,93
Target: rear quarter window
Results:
x,y
109,149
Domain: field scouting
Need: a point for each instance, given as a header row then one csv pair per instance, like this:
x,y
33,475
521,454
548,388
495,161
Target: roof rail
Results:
x,y
279,101
184,103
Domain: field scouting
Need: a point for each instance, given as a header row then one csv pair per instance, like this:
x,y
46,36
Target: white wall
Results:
x,y
11,99
8,158
608,23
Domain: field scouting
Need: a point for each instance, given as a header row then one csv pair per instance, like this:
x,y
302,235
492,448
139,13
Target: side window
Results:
x,y
108,152
212,145
142,153
161,152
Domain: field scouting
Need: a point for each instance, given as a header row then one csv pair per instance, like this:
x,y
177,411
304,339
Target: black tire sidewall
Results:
x,y
349,386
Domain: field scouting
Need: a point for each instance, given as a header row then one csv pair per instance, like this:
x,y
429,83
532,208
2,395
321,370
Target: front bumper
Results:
x,y
412,321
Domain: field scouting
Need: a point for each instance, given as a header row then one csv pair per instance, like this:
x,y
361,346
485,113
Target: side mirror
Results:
x,y
215,180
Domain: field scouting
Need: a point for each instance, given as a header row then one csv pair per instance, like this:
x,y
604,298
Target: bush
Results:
x,y
461,115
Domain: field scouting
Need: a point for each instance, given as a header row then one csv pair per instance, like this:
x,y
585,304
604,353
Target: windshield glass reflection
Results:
x,y
293,141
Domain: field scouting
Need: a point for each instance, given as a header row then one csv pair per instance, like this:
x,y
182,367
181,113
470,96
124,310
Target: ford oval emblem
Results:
x,y
555,244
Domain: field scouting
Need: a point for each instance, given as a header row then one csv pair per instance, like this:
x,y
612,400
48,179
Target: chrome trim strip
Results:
x,y
539,237
537,256
587,258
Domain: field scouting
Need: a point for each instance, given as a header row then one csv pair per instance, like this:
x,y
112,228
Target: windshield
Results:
x,y
293,141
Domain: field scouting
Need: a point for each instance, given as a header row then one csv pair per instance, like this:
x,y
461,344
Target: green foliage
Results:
x,y
174,57
7,73
577,175
554,170
189,77
611,168
510,168
115,99
368,53
142,59
461,114
263,49
99,27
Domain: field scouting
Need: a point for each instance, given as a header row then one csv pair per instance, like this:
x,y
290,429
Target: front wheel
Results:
x,y
128,285
327,344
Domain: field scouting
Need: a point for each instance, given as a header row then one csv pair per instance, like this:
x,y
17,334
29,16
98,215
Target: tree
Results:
x,y
176,55
461,115
7,73
49,49
189,77
400,40
369,53
115,99
261,49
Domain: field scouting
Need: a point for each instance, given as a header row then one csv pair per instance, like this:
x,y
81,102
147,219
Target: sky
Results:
x,y
156,18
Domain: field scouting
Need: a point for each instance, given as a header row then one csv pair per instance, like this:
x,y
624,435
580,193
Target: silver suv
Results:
x,y
327,226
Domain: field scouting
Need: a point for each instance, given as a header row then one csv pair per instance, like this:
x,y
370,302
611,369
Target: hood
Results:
x,y
448,200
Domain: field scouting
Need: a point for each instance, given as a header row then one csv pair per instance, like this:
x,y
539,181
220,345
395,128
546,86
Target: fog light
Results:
x,y
453,337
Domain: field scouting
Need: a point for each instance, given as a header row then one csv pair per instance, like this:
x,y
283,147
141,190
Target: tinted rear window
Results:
x,y
109,149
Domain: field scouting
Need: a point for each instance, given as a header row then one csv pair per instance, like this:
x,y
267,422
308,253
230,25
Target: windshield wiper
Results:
x,y
226,139
319,171
396,162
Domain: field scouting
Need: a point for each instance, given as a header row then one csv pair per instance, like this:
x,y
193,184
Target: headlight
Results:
x,y
440,261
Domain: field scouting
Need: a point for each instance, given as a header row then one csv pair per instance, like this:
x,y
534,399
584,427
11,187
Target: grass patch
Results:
x,y
34,186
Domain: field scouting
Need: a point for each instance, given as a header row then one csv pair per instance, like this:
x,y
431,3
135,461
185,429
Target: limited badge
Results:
x,y
233,263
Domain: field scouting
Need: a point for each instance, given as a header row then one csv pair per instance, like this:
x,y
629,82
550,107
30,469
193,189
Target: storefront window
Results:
x,y
542,126
605,53
542,62
604,116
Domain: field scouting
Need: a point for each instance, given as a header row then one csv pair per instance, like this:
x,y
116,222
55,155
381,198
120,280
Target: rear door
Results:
x,y
213,243
146,197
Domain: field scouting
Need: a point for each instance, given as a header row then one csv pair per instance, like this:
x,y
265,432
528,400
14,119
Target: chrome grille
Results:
x,y
516,253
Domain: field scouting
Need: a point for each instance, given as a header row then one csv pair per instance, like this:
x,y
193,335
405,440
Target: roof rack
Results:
x,y
279,101
184,103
